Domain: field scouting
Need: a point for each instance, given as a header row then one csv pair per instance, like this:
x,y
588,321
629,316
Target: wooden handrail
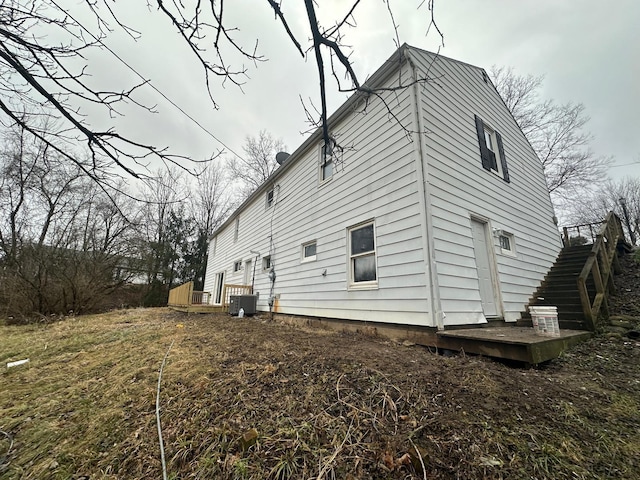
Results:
x,y
185,296
600,265
566,235
230,289
200,298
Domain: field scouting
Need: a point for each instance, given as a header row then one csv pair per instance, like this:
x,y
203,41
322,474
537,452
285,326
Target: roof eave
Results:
x,y
378,77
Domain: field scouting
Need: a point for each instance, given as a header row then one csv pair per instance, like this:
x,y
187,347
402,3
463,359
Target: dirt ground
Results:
x,y
247,398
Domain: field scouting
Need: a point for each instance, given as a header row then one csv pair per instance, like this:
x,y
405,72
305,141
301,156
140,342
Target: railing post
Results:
x,y
586,304
224,296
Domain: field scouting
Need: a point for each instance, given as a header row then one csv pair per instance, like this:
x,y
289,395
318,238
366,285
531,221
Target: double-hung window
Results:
x,y
362,256
491,150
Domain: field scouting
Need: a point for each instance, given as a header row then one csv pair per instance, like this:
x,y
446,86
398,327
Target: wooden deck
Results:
x,y
514,343
184,298
506,341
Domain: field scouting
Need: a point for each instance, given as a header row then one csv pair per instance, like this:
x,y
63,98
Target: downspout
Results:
x,y
425,198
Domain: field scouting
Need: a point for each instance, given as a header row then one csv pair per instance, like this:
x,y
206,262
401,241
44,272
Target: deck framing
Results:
x,y
505,341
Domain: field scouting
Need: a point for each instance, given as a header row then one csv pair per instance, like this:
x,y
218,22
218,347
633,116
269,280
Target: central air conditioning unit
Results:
x,y
247,302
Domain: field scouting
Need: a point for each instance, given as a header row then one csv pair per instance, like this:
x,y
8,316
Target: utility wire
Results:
x,y
146,81
625,164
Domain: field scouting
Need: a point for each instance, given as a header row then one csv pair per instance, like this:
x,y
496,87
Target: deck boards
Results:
x,y
199,308
514,343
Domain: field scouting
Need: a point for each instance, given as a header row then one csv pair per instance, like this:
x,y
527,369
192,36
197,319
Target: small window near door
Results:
x,y
507,243
309,251
237,266
266,262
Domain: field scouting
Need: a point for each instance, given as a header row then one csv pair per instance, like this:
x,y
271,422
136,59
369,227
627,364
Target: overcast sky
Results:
x,y
588,50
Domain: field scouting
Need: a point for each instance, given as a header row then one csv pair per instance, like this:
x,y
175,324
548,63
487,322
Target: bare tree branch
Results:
x,y
258,163
555,131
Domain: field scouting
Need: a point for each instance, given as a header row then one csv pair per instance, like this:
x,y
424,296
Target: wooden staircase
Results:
x,y
560,289
581,279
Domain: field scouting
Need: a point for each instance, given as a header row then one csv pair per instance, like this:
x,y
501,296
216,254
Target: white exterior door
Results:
x,y
247,272
483,265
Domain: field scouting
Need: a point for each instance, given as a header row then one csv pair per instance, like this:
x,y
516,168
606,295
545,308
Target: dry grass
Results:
x,y
324,405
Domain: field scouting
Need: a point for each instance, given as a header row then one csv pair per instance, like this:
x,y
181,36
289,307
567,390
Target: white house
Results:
x,y
435,214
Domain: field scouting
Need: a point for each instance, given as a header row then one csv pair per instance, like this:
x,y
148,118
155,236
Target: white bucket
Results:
x,y
545,320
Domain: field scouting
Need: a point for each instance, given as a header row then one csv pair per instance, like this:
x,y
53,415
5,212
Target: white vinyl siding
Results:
x,y
459,188
376,179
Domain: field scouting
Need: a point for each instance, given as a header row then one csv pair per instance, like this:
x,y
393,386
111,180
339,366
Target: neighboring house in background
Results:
x,y
437,214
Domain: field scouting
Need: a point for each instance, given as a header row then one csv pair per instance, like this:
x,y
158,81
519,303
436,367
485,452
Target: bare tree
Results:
x,y
210,203
61,237
621,196
44,47
258,163
555,131
161,195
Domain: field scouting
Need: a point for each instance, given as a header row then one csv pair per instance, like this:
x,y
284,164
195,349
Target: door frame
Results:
x,y
219,287
246,277
493,261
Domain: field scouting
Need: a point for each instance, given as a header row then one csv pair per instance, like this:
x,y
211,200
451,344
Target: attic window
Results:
x,y
236,229
491,150
326,162
269,198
